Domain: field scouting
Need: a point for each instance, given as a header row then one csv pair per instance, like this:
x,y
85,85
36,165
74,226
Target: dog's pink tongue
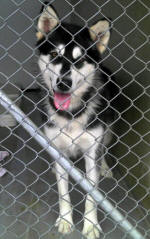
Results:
x,y
62,101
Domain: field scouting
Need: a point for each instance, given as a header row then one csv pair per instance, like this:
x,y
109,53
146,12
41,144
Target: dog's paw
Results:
x,y
106,174
105,171
91,231
64,226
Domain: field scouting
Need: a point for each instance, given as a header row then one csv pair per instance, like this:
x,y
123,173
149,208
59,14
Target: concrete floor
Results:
x,y
28,192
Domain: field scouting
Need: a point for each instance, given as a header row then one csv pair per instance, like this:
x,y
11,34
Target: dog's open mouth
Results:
x,y
61,100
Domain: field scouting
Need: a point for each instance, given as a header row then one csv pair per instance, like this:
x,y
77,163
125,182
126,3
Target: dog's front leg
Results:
x,y
64,221
91,228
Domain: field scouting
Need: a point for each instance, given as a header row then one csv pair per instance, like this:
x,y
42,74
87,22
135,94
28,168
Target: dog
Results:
x,y
77,105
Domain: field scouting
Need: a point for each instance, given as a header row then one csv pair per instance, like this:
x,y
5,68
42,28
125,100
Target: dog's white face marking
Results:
x,y
80,77
76,52
60,49
49,71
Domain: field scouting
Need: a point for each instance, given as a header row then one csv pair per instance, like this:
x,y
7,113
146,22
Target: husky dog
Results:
x,y
77,105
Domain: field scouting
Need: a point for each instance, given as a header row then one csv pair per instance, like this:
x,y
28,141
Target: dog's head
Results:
x,y
69,55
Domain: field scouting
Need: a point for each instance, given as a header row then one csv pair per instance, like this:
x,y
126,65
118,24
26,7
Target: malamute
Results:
x,y
78,105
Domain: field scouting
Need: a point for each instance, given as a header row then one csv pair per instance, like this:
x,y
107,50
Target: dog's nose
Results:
x,y
64,84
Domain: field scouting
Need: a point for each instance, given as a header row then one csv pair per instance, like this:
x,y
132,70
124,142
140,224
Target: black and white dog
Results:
x,y
78,105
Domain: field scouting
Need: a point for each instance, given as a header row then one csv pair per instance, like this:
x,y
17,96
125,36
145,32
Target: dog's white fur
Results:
x,y
70,136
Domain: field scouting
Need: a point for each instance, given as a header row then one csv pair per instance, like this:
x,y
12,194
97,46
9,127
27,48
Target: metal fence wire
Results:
x,y
29,200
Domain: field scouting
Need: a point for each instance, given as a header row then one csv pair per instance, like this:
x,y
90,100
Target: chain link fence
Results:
x,y
28,190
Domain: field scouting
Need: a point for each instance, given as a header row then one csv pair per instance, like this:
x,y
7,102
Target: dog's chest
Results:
x,y
71,134
65,135
72,128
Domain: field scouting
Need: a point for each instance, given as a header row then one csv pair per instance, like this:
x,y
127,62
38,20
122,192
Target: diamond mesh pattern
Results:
x,y
28,191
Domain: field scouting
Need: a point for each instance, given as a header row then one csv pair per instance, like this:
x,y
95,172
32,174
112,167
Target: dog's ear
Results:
x,y
100,33
47,21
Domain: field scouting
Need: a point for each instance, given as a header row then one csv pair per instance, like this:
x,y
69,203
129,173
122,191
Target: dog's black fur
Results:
x,y
108,91
83,124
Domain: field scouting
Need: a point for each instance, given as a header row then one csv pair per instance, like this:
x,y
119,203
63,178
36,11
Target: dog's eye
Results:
x,y
53,54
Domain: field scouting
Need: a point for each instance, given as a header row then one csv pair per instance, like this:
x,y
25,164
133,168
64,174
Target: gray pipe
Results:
x,y
68,166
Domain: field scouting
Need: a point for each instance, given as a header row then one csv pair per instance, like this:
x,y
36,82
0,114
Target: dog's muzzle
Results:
x,y
64,85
